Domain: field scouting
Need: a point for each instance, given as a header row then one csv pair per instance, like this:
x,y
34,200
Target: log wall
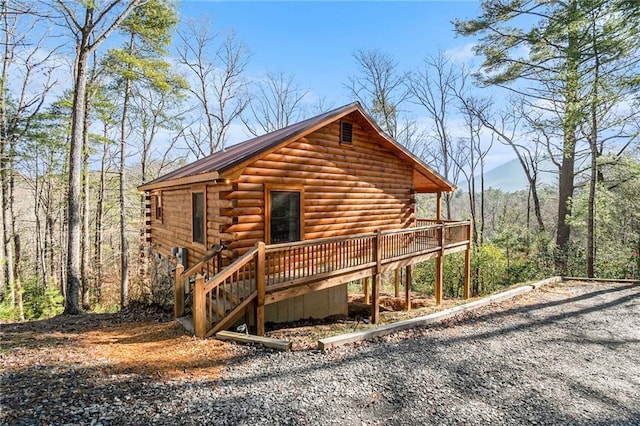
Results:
x,y
174,228
348,188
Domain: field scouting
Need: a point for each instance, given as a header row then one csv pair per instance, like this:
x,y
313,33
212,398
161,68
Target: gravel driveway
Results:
x,y
566,354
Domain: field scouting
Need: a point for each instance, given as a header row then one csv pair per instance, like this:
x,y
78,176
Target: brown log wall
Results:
x,y
348,188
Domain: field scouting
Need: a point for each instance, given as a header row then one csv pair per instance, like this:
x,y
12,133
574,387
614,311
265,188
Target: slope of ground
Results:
x,y
567,354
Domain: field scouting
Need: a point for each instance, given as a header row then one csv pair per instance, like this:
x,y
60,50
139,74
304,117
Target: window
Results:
x,y
158,203
346,132
197,217
284,224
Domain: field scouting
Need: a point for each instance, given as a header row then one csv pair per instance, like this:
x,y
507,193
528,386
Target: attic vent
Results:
x,y
346,132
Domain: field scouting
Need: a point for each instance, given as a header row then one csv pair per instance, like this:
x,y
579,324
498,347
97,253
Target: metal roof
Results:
x,y
235,155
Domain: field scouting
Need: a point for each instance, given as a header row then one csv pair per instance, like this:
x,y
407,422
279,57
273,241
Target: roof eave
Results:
x,y
186,180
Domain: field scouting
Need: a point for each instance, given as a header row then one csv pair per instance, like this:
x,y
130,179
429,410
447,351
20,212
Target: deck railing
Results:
x,y
289,264
219,300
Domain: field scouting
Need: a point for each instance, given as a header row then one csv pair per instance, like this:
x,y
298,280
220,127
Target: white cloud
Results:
x,y
461,54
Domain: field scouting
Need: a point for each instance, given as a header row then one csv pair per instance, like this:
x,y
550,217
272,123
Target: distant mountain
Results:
x,y
509,177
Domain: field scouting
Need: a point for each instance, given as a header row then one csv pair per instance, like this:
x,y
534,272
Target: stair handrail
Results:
x,y
230,269
213,252
200,324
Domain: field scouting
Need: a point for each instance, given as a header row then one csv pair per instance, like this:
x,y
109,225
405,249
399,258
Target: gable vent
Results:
x,y
346,132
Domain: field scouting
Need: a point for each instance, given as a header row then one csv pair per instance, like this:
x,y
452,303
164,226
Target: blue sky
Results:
x,y
316,40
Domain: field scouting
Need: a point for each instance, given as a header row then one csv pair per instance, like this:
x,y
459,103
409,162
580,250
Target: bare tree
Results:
x,y
473,151
434,88
277,104
220,90
517,127
379,87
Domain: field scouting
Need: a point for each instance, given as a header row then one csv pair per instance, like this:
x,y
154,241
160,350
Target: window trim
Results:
x,y
158,206
199,190
267,208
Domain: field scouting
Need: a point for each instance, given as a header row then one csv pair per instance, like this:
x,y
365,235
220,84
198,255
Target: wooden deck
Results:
x,y
269,274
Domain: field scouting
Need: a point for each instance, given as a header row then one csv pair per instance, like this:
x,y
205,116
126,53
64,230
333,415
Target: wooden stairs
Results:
x,y
219,297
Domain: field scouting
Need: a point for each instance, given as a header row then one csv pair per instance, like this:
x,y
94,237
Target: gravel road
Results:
x,y
566,354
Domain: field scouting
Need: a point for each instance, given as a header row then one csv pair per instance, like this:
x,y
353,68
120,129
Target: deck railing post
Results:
x,y
261,289
375,285
199,308
178,306
438,284
467,262
408,280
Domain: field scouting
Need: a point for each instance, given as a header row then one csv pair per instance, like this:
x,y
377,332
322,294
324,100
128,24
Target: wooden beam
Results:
x,y
178,308
199,308
396,283
438,283
248,338
365,289
309,287
439,206
260,287
375,309
408,280
467,265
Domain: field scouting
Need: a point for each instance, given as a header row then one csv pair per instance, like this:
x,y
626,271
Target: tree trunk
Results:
x,y
6,223
594,172
72,306
124,246
16,278
565,185
99,215
86,240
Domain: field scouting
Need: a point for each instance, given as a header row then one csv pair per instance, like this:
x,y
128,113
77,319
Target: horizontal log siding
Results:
x,y
349,189
175,228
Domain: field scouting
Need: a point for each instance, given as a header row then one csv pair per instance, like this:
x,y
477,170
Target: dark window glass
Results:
x,y
197,216
285,216
159,207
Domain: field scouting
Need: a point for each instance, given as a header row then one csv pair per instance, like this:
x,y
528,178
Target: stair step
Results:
x,y
238,292
220,307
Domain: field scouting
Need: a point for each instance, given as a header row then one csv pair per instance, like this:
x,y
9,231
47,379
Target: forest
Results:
x,y
557,84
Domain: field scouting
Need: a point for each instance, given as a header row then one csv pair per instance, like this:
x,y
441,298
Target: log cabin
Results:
x,y
273,229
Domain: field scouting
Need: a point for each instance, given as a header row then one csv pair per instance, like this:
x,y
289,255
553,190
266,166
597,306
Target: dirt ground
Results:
x,y
141,342
147,341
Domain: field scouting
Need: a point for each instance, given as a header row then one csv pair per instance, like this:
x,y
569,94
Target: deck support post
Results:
x,y
178,297
467,262
439,206
199,308
261,289
408,279
396,283
439,269
365,289
375,309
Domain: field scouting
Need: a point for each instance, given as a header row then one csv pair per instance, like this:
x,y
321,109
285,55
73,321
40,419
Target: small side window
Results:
x,y
197,217
158,203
